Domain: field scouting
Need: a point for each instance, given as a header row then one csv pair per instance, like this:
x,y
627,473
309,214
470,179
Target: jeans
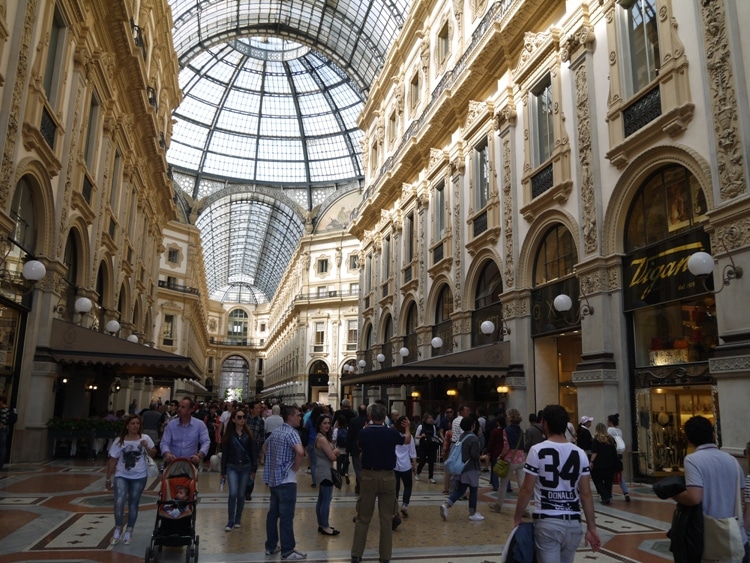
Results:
x,y
283,503
237,478
458,492
556,541
323,506
313,462
404,476
132,488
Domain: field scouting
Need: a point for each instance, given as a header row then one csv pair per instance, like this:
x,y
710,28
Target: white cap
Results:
x,y
585,419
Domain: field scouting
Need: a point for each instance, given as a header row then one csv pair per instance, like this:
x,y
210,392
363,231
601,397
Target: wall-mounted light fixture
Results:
x,y
362,364
115,386
437,342
451,392
415,395
488,327
91,386
380,358
503,390
132,338
701,264
112,327
563,303
31,272
403,352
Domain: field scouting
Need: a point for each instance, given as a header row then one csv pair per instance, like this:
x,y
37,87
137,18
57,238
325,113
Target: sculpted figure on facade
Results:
x,y
588,195
508,215
424,56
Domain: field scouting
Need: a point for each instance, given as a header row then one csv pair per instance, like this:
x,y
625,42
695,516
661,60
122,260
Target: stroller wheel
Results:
x,y
197,543
149,555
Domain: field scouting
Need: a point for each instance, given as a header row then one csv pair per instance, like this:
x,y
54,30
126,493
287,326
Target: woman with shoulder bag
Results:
x,y
238,465
325,455
127,462
513,453
604,462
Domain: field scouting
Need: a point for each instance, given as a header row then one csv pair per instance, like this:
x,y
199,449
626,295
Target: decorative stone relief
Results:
x,y
11,133
531,42
458,12
457,246
424,56
436,156
398,94
476,109
588,195
478,7
731,364
508,216
729,152
364,143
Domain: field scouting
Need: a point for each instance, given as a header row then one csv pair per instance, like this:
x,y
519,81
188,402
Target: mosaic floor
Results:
x,y
60,511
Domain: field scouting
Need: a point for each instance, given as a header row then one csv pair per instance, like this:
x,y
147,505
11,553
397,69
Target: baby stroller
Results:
x,y
176,511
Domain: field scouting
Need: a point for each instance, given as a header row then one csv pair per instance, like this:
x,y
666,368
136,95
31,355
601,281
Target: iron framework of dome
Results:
x,y
267,129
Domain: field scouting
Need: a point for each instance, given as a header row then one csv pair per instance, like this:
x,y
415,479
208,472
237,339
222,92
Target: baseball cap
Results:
x,y
585,419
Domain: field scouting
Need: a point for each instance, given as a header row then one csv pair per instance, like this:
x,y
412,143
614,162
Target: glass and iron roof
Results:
x,y
272,90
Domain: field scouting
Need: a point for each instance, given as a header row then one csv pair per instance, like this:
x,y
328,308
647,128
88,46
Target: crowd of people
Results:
x,y
551,460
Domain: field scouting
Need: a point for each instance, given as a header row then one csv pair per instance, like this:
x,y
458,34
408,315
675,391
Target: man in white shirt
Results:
x,y
456,427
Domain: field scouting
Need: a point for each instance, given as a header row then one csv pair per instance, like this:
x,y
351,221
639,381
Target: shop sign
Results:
x,y
659,273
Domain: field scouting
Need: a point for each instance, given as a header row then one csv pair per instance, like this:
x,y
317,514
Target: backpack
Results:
x,y
454,464
341,437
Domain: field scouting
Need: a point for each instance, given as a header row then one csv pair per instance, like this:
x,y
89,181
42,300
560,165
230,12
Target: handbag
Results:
x,y
619,444
502,467
336,478
722,538
152,470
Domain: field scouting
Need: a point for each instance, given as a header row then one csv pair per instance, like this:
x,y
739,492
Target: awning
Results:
x,y
72,344
491,360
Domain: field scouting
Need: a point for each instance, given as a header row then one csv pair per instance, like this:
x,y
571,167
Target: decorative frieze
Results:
x,y
595,376
730,365
586,159
509,280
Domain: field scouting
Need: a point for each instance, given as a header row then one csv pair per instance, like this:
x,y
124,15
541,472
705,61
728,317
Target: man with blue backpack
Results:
x,y
464,467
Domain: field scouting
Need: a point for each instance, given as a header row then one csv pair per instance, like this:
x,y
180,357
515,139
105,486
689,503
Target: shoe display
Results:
x,y
294,556
476,517
444,511
273,551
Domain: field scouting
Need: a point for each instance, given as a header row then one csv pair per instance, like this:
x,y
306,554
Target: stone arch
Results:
x,y
475,269
630,181
43,202
437,286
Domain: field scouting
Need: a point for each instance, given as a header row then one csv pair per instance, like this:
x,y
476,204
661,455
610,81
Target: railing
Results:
x,y
87,188
542,181
437,254
642,112
326,295
238,342
178,287
48,128
138,37
480,224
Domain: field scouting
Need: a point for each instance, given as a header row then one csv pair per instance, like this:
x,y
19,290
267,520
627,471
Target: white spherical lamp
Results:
x,y
437,342
132,338
404,352
362,363
83,305
33,270
112,326
487,327
701,264
380,358
562,303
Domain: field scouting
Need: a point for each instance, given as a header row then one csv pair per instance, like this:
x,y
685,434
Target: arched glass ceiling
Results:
x,y
266,110
249,240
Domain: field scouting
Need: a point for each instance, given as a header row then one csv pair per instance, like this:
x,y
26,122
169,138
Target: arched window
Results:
x,y
233,381
70,260
237,326
410,338
387,344
556,256
444,305
669,202
443,327
22,213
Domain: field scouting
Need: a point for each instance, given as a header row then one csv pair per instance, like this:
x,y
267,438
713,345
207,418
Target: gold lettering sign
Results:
x,y
651,269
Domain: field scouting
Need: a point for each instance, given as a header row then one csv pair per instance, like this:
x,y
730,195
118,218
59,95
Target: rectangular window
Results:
x,y
320,337
173,255
210,363
260,366
322,291
53,67
353,289
114,193
481,175
640,43
171,282
167,330
387,257
414,91
392,130
444,44
351,335
323,266
543,132
368,273
263,327
92,133
439,211
409,242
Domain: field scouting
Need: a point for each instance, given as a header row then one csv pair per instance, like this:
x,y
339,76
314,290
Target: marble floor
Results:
x,y
60,510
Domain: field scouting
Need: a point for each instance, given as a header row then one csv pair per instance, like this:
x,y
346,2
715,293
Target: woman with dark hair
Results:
x,y
613,423
127,462
325,455
239,464
429,444
310,426
604,462
514,453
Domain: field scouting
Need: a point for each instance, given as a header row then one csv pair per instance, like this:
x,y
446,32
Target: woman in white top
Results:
x,y
613,422
127,462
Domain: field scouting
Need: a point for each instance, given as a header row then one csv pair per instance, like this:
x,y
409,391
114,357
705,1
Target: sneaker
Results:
x,y
126,538
237,525
494,507
416,477
294,555
228,527
273,551
433,481
627,498
476,517
395,523
444,511
404,509
346,477
115,537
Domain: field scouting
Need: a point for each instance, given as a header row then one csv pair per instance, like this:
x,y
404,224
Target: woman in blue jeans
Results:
x,y
469,477
325,455
127,463
238,465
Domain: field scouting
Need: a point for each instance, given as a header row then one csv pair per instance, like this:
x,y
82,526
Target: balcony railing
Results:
x,y
87,188
642,112
138,37
178,287
480,224
325,295
542,181
48,128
